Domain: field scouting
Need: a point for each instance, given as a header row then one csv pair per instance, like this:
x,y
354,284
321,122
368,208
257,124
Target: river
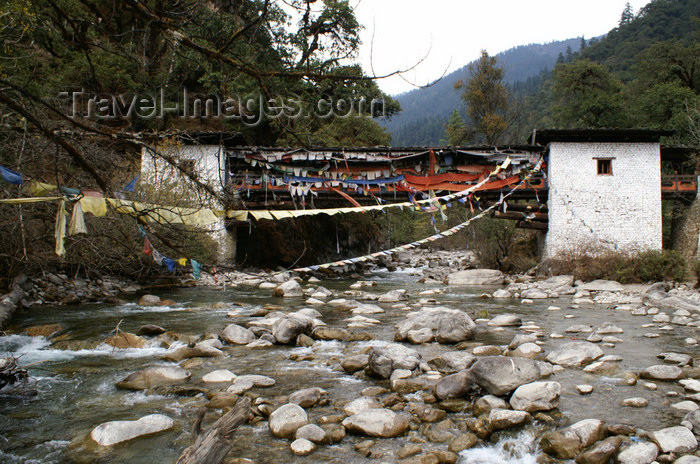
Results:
x,y
76,389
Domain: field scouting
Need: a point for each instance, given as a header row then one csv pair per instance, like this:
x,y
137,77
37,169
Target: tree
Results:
x,y
455,131
627,15
587,95
486,98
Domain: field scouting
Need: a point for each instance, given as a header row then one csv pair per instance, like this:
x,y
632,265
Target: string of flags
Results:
x,y
163,260
199,217
432,238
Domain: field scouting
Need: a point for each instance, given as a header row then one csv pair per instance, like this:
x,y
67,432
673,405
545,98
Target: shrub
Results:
x,y
636,267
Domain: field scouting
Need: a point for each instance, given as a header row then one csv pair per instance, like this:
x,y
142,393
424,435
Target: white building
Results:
x,y
604,190
166,171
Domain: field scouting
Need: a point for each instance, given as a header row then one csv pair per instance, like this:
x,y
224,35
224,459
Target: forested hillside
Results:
x,y
425,111
643,73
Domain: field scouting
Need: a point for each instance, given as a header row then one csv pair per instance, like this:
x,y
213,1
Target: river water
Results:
x,y
76,390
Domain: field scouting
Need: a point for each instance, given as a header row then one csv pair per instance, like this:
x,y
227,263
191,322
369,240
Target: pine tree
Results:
x,y
627,15
487,98
455,131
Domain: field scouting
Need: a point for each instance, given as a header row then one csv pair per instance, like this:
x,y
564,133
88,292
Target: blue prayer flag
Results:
x,y
11,176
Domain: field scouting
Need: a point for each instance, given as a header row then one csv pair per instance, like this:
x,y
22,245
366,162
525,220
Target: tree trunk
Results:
x,y
212,446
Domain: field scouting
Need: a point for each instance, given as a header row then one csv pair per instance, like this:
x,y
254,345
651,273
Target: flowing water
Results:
x,y
76,386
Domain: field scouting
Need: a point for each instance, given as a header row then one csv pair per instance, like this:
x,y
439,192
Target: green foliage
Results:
x,y
486,99
587,95
456,131
641,267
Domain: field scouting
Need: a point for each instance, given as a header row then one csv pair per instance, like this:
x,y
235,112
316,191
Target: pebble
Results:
x,y
584,389
635,402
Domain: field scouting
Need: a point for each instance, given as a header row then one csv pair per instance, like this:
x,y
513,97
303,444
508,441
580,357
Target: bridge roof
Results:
x,y
546,136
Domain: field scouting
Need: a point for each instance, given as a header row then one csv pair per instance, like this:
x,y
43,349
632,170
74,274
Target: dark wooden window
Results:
x,y
604,167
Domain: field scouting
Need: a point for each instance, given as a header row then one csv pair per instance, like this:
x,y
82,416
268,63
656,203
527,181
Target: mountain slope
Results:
x,y
425,111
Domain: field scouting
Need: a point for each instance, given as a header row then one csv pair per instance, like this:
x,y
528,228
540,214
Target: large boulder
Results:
x,y
602,452
568,442
575,354
455,386
677,440
358,405
289,289
476,277
382,423
448,325
287,329
149,300
152,377
536,396
237,335
506,320
393,296
111,433
500,419
384,360
308,397
452,361
638,453
602,286
663,372
499,375
285,420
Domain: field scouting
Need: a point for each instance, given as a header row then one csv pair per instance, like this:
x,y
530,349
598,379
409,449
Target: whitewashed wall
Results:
x,y
588,211
209,166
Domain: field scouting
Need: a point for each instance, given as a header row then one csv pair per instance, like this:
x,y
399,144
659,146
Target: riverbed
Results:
x,y
75,379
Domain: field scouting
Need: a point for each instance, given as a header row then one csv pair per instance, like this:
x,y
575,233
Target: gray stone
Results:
x,y
536,396
287,329
383,360
662,372
476,277
360,404
570,441
308,397
311,432
455,386
420,336
289,289
500,419
506,320
149,300
152,377
638,453
602,286
500,375
111,433
678,440
393,296
237,335
218,376
575,354
302,447
382,423
449,325
452,361
600,453
485,404
285,420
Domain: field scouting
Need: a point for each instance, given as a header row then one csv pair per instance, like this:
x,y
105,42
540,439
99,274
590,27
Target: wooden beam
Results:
x,y
212,446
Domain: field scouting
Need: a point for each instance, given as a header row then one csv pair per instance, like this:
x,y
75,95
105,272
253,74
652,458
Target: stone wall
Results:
x,y
594,212
208,162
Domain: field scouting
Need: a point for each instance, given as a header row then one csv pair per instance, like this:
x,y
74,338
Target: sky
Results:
x,y
448,34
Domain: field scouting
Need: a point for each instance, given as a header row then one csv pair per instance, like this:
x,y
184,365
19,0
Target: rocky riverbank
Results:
x,y
439,378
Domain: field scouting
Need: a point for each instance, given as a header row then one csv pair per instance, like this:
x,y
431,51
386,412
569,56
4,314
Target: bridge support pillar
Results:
x,y
687,242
